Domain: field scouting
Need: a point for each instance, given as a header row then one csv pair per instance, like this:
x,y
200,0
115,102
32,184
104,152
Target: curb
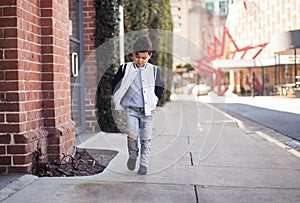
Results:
x,y
16,185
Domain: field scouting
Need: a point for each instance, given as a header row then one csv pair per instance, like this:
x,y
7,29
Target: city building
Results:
x,y
243,42
196,25
261,54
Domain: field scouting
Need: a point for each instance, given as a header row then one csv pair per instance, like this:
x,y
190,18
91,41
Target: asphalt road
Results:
x,y
285,123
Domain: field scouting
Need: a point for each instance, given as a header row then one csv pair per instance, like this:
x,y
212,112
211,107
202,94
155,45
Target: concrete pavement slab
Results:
x,y
80,190
13,183
226,159
7,179
218,175
245,194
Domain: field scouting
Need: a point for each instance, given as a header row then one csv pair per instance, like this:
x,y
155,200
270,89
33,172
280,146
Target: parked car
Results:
x,y
201,89
188,88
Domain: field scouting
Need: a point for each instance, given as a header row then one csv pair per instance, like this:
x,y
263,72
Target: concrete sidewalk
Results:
x,y
199,154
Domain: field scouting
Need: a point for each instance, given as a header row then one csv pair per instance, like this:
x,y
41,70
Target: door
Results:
x,y
76,64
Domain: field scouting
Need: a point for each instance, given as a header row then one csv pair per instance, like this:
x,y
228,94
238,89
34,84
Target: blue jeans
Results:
x,y
139,126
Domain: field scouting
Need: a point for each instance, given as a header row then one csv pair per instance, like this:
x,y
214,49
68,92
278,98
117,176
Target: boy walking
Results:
x,y
137,87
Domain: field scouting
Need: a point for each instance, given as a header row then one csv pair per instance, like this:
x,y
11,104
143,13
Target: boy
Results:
x,y
137,87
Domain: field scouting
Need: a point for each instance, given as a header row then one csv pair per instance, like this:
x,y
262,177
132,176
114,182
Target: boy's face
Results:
x,y
141,58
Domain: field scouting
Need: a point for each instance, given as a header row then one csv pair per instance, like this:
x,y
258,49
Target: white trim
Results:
x,y
258,62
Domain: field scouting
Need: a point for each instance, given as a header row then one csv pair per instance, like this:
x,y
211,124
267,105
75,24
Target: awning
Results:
x,y
257,62
232,63
286,43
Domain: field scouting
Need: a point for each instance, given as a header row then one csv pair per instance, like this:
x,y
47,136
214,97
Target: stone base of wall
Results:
x,y
16,156
61,141
16,151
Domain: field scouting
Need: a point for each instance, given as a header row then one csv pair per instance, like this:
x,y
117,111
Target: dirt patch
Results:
x,y
83,163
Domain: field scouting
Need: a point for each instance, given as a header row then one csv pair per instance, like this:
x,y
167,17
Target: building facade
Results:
x,y
196,25
252,24
238,39
197,22
44,99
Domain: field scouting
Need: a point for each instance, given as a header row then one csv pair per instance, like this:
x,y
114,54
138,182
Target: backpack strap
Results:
x,y
124,68
154,71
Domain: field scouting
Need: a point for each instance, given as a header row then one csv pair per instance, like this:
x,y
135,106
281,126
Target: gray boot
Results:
x,y
142,170
131,163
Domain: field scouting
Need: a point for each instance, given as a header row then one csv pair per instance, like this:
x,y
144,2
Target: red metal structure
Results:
x,y
204,66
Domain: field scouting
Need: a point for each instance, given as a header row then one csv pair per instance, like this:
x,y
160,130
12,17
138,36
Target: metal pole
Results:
x,y
253,84
275,70
279,82
262,81
121,32
253,80
295,55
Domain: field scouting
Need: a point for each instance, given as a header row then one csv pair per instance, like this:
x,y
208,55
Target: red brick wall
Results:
x,y
34,82
89,14
56,77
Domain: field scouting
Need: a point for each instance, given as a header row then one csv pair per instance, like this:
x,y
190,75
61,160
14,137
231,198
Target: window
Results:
x,y
223,6
209,6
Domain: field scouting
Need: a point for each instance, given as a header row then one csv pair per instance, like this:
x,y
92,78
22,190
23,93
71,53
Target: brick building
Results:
x,y
44,99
